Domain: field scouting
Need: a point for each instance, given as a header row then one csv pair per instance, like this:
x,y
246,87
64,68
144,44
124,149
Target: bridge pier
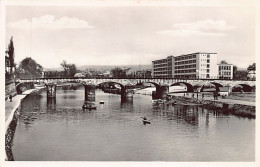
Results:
x,y
90,95
51,90
161,92
127,92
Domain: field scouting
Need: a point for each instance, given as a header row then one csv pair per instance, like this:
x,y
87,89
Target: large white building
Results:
x,y
195,65
225,71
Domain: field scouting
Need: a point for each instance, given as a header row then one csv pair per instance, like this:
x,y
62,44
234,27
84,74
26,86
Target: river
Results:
x,y
60,130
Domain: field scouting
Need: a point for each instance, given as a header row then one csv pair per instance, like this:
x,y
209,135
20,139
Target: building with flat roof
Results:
x,y
163,68
189,66
225,71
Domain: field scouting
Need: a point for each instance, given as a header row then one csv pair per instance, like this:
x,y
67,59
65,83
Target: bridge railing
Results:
x,y
167,78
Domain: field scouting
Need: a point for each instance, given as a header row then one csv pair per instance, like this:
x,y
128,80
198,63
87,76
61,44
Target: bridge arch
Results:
x,y
217,85
155,84
190,88
245,87
23,86
121,85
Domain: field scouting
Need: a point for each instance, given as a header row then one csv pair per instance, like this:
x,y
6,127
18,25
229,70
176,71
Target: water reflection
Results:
x,y
180,113
188,113
51,105
127,104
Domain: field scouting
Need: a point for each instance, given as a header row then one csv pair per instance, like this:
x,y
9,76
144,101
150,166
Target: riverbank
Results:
x,y
12,110
238,104
226,106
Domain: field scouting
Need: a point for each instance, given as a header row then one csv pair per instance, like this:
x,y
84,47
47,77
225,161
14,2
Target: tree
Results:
x,y
29,68
119,72
223,62
70,69
11,54
64,65
234,71
251,67
240,75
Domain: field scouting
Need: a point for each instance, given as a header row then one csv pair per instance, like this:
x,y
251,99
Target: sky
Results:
x,y
129,35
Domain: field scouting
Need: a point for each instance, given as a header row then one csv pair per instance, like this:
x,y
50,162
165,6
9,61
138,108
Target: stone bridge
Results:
x,y
162,85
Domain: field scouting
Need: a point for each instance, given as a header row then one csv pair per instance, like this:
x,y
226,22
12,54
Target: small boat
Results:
x,y
89,107
146,121
101,102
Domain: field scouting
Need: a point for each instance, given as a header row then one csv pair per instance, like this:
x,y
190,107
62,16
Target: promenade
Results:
x,y
10,107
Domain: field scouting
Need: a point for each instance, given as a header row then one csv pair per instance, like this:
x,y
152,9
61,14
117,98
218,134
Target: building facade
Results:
x,y
163,68
189,66
225,71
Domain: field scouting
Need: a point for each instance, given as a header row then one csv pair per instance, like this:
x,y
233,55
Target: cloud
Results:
x,y
50,22
210,28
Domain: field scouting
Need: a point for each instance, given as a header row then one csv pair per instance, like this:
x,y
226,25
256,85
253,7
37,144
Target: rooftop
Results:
x,y
225,64
184,55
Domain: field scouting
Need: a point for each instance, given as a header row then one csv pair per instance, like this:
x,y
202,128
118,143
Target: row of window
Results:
x,y
204,55
185,71
160,65
185,62
225,73
186,76
221,77
160,61
208,65
208,60
157,73
224,68
185,57
186,66
160,69
205,70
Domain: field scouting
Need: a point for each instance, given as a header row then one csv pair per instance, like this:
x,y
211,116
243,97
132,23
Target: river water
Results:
x,y
61,130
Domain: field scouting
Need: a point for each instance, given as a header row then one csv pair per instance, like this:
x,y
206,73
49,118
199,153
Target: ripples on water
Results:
x,y
60,130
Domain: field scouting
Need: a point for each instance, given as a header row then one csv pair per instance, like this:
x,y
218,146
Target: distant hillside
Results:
x,y
109,67
104,67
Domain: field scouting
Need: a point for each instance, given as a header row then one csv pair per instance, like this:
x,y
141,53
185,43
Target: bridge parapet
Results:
x,y
156,81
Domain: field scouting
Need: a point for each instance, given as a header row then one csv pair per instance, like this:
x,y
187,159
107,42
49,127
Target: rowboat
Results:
x,y
89,107
146,122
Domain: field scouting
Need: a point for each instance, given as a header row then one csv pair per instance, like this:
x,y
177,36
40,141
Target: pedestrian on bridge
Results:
x,y
10,97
